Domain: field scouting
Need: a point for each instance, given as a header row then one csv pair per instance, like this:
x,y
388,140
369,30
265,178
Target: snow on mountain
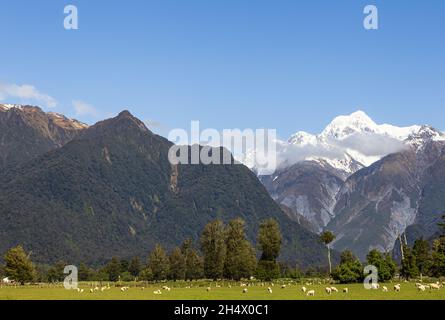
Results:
x,y
425,133
349,143
7,107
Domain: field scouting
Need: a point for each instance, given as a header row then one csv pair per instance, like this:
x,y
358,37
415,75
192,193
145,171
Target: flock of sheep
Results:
x,y
310,293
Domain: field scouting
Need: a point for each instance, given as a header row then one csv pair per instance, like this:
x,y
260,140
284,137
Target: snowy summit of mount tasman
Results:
x,y
352,142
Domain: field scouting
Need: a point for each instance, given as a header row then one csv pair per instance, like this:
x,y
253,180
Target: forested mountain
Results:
x,y
111,191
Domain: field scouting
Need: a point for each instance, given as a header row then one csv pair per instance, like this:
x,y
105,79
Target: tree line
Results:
x,y
424,258
225,253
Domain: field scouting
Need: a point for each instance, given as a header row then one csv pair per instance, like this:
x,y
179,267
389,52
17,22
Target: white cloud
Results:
x,y
84,109
26,92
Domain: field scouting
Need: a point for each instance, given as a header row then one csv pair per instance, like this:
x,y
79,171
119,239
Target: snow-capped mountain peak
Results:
x,y
351,142
303,138
424,134
6,107
343,126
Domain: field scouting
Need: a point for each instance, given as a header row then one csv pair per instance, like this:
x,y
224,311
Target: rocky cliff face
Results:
x,y
27,131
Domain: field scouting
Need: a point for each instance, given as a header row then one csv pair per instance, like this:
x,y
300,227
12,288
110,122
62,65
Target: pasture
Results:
x,y
220,291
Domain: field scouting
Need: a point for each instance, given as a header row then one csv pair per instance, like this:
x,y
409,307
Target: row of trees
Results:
x,y
225,253
422,259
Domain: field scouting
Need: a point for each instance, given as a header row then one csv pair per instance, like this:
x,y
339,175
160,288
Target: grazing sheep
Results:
x,y
245,290
269,290
385,289
157,292
328,290
345,290
96,289
230,287
208,289
311,293
91,290
283,286
334,289
303,289
434,286
397,287
421,288
375,286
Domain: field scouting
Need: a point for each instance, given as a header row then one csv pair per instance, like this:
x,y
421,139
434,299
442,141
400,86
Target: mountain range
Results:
x,y
367,183
73,192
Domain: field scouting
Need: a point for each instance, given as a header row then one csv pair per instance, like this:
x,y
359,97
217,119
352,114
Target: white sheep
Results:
x,y
269,290
157,292
283,286
245,290
375,286
303,289
328,290
334,289
385,289
345,290
397,287
434,286
311,293
421,288
208,289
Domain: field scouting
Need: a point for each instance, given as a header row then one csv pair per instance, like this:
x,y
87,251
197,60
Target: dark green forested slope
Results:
x,y
112,192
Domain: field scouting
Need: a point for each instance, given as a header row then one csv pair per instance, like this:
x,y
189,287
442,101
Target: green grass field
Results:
x,y
255,292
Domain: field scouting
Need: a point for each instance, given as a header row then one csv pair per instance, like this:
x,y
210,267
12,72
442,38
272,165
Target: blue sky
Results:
x,y
290,65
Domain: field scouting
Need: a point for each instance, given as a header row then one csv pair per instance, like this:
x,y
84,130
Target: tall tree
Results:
x,y
241,258
269,240
422,252
438,258
113,269
18,265
214,248
177,265
327,237
409,268
135,266
193,261
85,273
158,263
